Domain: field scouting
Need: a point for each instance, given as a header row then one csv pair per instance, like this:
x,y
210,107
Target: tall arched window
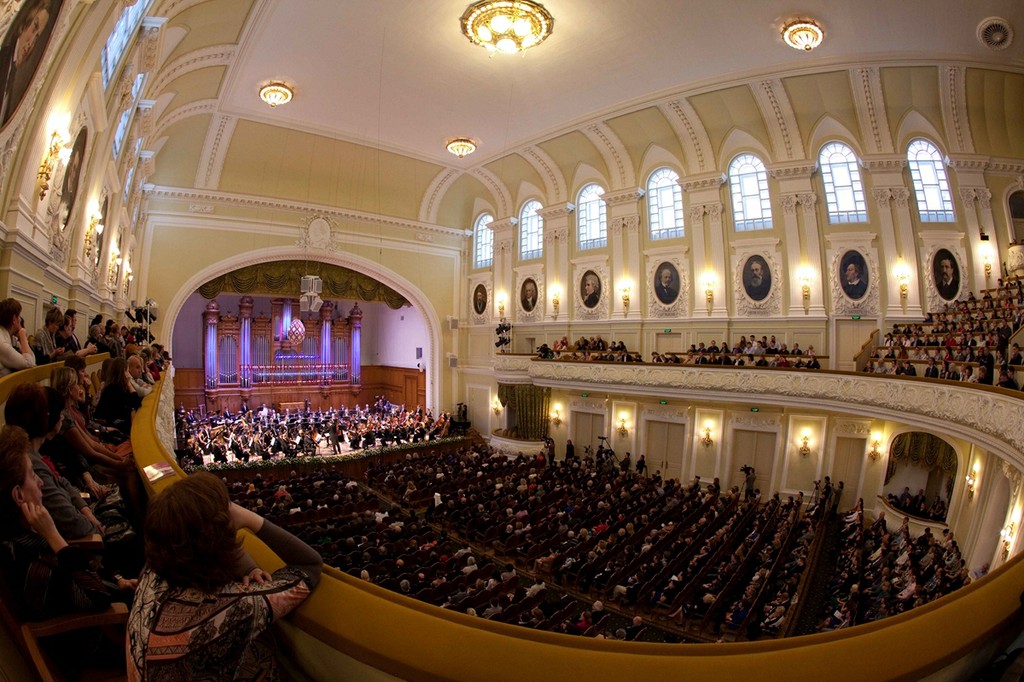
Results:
x,y
751,205
665,204
483,241
844,192
591,218
931,186
531,231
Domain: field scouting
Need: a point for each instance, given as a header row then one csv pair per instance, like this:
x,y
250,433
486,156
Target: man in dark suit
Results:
x,y
931,371
948,282
666,288
591,290
854,285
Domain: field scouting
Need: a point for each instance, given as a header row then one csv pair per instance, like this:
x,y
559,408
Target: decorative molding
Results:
x,y
215,151
149,41
200,208
484,317
839,245
696,183
693,135
502,197
778,115
678,308
198,108
760,422
695,214
993,422
547,169
601,310
869,104
432,197
214,55
560,210
953,100
264,203
614,152
674,415
772,303
789,202
884,163
950,241
847,427
623,197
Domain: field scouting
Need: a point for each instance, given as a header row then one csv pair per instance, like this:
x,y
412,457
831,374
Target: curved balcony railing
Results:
x,y
350,629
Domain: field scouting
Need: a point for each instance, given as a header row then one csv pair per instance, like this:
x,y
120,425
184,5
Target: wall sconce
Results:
x,y
1008,534
876,442
902,274
496,406
501,305
57,149
115,263
555,299
94,229
625,300
804,277
986,256
805,444
706,440
972,480
623,431
709,289
556,418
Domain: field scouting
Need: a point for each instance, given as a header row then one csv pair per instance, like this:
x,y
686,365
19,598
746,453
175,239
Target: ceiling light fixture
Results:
x,y
507,25
461,146
275,94
802,34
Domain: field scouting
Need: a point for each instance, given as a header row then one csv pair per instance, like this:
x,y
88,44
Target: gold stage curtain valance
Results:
x,y
530,405
281,278
921,450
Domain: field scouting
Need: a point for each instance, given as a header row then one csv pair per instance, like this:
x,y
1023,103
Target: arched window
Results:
x,y
119,38
591,218
844,191
483,241
665,204
531,231
931,186
751,205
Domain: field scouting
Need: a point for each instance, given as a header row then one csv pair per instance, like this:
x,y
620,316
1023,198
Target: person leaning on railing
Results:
x,y
15,352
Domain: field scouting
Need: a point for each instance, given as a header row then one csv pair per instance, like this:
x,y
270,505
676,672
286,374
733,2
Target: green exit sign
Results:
x,y
856,317
663,402
668,330
53,300
584,395
755,409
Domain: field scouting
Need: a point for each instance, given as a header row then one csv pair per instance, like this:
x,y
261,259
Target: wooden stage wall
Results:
x,y
400,385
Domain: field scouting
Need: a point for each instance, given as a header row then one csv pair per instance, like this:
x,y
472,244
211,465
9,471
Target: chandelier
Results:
x,y
802,34
461,146
507,25
276,94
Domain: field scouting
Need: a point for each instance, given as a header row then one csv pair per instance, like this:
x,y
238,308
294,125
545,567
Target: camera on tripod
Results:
x,y
746,469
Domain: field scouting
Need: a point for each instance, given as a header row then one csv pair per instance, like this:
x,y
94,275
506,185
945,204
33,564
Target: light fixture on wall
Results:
x,y
623,431
804,277
507,26
709,289
625,300
556,418
460,147
802,34
501,305
876,442
57,149
1008,534
986,255
902,273
94,229
972,480
276,93
496,406
555,294
805,444
706,440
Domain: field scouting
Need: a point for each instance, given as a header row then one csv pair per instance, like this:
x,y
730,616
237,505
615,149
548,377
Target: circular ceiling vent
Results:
x,y
995,33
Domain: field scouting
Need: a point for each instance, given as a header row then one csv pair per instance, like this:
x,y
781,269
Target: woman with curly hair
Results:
x,y
203,607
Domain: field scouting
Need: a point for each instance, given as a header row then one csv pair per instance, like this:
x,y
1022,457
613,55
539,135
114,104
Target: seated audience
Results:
x,y
15,352
203,605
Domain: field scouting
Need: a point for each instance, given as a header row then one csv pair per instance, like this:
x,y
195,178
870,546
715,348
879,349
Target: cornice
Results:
x,y
712,180
798,169
194,196
884,162
623,197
